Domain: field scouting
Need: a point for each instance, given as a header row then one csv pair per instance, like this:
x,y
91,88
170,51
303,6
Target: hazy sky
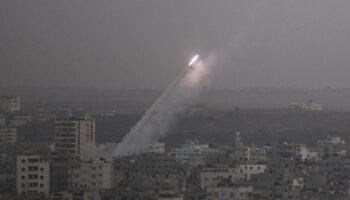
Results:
x,y
146,43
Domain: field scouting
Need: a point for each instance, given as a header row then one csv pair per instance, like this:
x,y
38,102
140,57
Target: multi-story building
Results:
x,y
191,151
8,135
61,171
256,154
92,176
33,175
74,130
248,170
212,177
332,146
288,150
10,103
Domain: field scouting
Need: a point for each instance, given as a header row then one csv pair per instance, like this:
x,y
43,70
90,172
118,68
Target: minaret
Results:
x,y
238,140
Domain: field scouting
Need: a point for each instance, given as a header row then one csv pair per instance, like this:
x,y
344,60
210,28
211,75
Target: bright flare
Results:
x,y
193,60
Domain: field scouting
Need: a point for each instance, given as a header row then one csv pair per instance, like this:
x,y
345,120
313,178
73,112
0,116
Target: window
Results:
x,y
23,160
42,169
23,177
33,168
41,177
33,160
41,185
23,169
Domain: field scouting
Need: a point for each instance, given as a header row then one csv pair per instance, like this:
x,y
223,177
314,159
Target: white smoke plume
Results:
x,y
160,117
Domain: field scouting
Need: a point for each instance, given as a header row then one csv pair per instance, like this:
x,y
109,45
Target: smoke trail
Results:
x,y
157,120
160,117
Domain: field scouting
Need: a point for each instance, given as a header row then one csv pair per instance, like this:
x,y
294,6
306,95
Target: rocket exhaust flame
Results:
x,y
193,60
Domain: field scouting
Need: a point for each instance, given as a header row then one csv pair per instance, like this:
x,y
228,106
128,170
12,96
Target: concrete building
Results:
x,y
191,151
92,176
237,153
230,191
73,131
33,175
158,148
149,164
248,170
61,171
20,120
10,103
288,150
310,106
8,135
212,177
298,183
256,154
332,146
307,154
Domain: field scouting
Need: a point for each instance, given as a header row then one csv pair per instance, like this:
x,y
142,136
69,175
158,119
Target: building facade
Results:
x,y
73,132
8,135
33,175
10,103
93,176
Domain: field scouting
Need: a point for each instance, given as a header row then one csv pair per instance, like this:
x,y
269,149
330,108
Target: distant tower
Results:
x,y
238,140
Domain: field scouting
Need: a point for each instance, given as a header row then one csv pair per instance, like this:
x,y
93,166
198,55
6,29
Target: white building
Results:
x,y
73,132
93,176
191,151
248,170
8,135
307,154
298,183
211,177
10,103
310,106
158,148
33,175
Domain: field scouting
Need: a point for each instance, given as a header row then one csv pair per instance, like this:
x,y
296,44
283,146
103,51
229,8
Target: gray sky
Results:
x,y
146,43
